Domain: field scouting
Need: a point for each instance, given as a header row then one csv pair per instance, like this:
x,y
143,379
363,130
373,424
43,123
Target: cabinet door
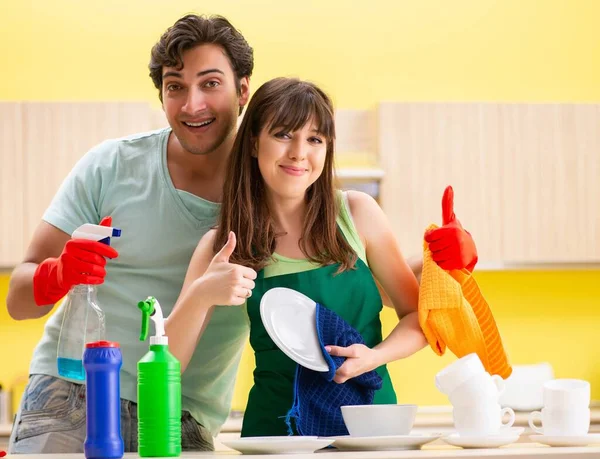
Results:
x,y
525,176
425,147
550,161
58,134
12,188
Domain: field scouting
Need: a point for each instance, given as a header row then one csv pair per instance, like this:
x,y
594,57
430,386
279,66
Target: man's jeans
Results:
x,y
51,419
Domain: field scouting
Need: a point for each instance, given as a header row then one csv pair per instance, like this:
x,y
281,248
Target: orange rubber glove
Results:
x,y
81,262
452,247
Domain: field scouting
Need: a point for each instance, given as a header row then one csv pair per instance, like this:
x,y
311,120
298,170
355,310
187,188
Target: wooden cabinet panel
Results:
x,y
525,176
550,191
12,238
424,148
57,135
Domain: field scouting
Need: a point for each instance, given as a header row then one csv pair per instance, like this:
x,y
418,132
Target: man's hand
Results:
x,y
451,246
226,283
81,262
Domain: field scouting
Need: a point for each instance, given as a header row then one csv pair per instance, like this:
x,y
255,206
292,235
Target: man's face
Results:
x,y
201,101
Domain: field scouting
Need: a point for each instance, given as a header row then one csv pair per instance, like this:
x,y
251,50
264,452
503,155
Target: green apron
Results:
x,y
353,295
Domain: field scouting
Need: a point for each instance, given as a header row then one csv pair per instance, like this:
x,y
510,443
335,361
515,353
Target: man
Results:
x,y
162,189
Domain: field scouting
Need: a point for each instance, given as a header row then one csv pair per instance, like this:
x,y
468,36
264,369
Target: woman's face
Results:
x,y
290,162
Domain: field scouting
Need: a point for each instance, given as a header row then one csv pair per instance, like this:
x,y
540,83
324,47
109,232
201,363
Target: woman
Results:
x,y
283,224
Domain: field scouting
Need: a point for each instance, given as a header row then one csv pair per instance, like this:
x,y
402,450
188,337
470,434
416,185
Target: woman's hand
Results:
x,y
209,281
359,359
225,283
452,247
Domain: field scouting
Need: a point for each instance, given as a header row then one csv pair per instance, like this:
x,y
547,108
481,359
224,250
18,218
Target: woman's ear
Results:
x,y
254,147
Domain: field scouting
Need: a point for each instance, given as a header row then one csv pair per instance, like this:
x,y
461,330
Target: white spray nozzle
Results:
x,y
151,309
98,233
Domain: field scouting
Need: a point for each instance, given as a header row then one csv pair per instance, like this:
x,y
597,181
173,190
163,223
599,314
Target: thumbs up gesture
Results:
x,y
451,246
226,283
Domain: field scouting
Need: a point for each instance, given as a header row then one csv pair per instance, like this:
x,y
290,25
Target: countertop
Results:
x,y
522,450
429,419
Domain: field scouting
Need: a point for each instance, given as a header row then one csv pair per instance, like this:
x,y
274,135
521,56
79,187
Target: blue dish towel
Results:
x,y
317,398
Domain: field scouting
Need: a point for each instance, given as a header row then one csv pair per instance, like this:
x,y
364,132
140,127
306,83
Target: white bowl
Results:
x,y
379,420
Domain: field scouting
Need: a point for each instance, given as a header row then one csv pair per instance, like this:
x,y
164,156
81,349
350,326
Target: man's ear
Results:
x,y
244,91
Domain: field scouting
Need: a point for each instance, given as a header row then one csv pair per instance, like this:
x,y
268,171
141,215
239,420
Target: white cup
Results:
x,y
458,372
563,394
481,419
479,388
573,421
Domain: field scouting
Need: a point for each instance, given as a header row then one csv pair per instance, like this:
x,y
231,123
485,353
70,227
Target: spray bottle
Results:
x,y
158,390
83,320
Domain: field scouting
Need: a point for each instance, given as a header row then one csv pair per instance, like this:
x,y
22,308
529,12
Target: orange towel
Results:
x,y
453,313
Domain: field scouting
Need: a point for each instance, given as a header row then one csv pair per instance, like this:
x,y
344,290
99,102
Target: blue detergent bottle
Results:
x,y
83,320
102,362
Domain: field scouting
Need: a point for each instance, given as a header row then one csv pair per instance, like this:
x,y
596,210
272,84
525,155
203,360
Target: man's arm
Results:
x,y
48,241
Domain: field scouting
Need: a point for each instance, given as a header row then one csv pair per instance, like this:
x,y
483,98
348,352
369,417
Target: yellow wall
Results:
x,y
542,316
361,52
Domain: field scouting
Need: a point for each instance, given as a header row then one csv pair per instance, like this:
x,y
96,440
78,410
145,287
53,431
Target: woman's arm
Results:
x,y
399,282
209,281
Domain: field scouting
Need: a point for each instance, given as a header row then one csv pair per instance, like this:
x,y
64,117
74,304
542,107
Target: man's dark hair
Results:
x,y
193,30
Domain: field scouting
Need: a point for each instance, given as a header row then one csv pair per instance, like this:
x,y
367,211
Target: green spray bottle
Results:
x,y
158,390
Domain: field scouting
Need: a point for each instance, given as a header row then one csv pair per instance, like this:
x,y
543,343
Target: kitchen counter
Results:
x,y
429,419
522,450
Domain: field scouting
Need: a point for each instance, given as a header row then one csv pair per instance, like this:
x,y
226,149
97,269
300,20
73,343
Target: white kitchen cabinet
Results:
x,y
12,186
40,143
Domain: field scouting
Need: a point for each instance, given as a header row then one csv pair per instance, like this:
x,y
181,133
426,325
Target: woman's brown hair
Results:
x,y
287,104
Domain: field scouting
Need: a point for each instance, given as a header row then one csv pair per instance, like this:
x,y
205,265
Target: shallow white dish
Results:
x,y
277,445
383,443
502,438
570,440
290,320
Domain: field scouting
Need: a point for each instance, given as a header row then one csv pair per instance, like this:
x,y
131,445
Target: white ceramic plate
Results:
x,y
383,443
575,440
506,436
277,445
290,320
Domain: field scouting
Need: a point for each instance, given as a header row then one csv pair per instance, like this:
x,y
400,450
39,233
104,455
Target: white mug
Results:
x,y
479,388
574,421
458,372
564,394
481,419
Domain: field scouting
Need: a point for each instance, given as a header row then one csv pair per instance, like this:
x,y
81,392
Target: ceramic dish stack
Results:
x,y
565,416
476,411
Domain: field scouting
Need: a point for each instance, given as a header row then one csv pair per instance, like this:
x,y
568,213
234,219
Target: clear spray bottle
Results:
x,y
83,320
